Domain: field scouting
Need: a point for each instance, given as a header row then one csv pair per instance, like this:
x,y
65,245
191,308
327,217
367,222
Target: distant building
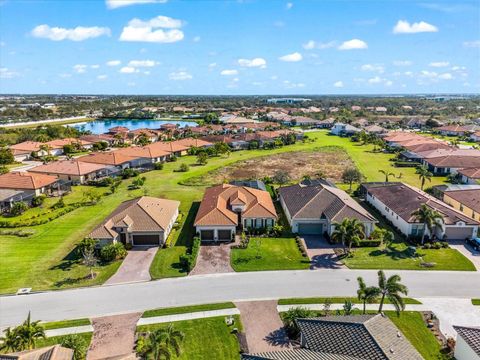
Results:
x,y
287,100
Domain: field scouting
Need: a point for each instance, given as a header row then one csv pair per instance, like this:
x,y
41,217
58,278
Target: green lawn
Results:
x,y
334,300
415,330
205,339
187,309
65,324
269,254
42,261
475,301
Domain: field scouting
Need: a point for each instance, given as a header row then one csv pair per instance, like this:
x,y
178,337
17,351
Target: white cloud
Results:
x,y
102,77
153,30
290,85
229,72
353,44
404,27
338,84
472,44
95,66
373,67
113,63
294,57
142,63
211,66
80,68
196,39
289,5
6,73
255,62
408,73
312,44
146,72
402,63
445,76
180,75
439,64
128,70
378,80
113,4
274,77
79,33
65,75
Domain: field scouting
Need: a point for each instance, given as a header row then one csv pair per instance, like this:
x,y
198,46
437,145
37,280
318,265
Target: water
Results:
x,y
102,126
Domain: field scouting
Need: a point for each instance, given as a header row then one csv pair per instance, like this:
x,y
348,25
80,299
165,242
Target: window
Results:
x,y
417,230
248,223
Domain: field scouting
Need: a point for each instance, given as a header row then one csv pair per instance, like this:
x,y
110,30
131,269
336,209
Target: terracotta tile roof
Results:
x,y
297,354
68,167
107,158
471,335
455,161
469,198
118,129
316,198
473,173
458,128
404,199
216,202
25,180
93,138
189,142
60,143
142,214
54,352
438,153
27,146
167,146
148,151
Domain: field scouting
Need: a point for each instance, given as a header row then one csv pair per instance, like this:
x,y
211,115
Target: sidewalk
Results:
x,y
187,316
69,330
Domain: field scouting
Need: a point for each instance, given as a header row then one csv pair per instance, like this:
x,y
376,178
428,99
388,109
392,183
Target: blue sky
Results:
x,y
239,47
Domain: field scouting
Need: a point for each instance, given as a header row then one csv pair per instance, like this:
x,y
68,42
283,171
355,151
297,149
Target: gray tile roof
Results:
x,y
372,337
317,199
297,354
471,336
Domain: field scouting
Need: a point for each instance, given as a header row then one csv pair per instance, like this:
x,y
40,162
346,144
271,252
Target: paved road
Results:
x,y
201,289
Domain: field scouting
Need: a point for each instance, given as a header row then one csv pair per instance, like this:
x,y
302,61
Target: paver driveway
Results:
x,y
213,259
321,253
113,336
263,326
135,267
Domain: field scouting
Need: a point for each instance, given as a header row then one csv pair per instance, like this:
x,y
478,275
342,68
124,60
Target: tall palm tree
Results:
x,y
366,294
29,332
10,341
348,232
424,174
387,174
391,289
430,218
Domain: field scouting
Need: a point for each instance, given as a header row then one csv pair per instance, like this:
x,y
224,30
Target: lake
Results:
x,y
102,126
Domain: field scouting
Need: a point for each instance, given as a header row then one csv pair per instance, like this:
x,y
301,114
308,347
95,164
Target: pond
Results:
x,y
102,126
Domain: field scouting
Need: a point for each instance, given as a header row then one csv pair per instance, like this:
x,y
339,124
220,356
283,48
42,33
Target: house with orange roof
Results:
x,y
31,184
191,142
22,151
112,158
150,154
75,171
169,146
226,208
56,146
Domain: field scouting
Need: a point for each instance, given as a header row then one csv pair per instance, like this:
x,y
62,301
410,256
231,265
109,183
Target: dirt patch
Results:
x,y
328,161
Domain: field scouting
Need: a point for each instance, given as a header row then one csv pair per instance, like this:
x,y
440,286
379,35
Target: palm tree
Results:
x,y
424,174
29,332
391,289
429,217
387,174
348,232
164,340
10,341
340,234
366,294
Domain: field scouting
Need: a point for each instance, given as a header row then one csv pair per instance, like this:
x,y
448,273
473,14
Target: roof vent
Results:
x,y
392,351
399,334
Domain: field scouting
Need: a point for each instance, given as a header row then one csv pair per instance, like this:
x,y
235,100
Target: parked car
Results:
x,y
475,243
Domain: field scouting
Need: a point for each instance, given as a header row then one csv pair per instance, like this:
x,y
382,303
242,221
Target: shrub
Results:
x,y
444,244
301,246
293,314
38,200
158,166
77,344
3,170
59,204
112,252
368,243
188,261
85,245
18,208
172,158
183,168
129,172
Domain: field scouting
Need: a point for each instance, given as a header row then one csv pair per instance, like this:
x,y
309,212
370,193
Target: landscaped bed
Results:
x,y
335,300
205,339
187,309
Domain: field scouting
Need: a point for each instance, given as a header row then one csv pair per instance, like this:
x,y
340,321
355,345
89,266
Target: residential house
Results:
x,y
191,142
224,208
96,138
112,158
145,221
22,151
342,129
475,136
470,175
31,184
74,171
450,161
351,337
467,201
169,146
56,146
375,129
397,202
147,154
457,130
467,346
149,134
10,196
53,352
314,206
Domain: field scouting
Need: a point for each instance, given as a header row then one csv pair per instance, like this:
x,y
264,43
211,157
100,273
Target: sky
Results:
x,y
248,47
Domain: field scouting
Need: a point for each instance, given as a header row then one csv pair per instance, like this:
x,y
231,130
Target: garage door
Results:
x,y
310,229
146,240
224,235
458,233
206,235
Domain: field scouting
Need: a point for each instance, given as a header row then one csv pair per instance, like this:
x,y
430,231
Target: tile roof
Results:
x,y
107,158
320,199
404,199
471,336
189,142
27,146
297,354
68,167
25,180
167,146
372,337
54,352
469,198
147,151
473,173
455,161
215,206
60,143
142,214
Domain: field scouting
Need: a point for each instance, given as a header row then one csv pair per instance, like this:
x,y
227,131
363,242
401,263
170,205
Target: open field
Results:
x,y
205,339
42,261
331,161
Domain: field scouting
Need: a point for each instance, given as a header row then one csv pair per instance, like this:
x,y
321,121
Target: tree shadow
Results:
x,y
185,238
66,264
278,338
70,281
396,254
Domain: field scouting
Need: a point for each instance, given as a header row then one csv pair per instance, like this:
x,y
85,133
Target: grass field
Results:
x,y
475,301
42,261
65,324
187,309
205,339
334,300
269,254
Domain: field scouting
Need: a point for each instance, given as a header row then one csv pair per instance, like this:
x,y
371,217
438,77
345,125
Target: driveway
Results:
x,y
135,267
263,326
113,336
321,253
213,259
467,251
